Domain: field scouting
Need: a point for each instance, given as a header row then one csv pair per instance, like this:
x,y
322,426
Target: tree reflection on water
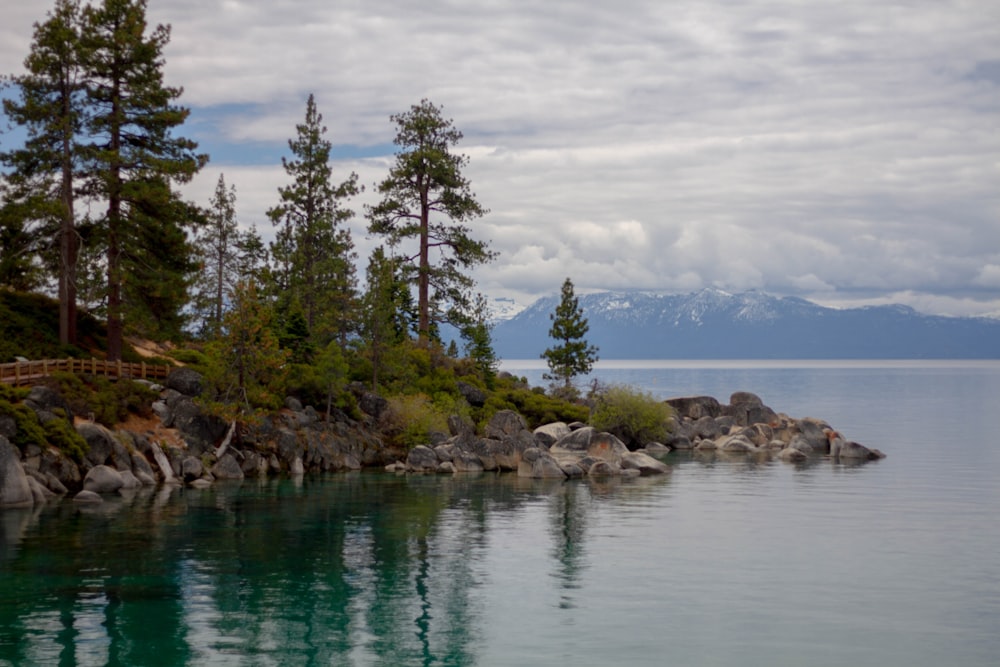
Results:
x,y
362,568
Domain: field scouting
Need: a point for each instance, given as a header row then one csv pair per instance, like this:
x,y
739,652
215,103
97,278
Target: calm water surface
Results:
x,y
724,562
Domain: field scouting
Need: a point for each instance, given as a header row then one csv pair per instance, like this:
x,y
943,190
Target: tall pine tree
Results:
x,y
572,355
39,195
313,250
133,156
426,198
218,247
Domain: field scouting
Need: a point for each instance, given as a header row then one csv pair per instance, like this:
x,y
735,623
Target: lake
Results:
x,y
724,562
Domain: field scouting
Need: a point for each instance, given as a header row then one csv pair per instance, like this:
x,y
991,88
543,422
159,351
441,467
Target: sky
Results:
x,y
843,151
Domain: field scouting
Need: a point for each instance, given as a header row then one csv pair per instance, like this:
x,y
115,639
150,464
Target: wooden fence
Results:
x,y
27,372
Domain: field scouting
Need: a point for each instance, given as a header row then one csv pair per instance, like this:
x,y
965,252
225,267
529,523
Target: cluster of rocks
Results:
x,y
201,449
555,450
747,426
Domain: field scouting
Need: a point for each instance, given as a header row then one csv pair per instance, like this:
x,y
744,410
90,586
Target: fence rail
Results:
x,y
27,372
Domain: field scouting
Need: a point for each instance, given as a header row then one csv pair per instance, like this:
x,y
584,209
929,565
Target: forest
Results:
x,y
91,215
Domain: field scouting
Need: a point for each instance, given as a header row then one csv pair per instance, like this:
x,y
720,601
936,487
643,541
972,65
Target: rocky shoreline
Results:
x,y
191,447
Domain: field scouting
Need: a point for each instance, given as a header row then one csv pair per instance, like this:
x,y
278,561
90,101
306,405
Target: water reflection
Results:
x,y
366,568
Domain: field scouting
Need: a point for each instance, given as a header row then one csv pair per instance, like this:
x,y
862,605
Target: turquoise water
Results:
x,y
724,562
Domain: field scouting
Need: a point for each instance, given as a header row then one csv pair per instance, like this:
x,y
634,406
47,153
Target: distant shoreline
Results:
x,y
539,364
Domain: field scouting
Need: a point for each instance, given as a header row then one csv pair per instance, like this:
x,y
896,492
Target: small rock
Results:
x,y
87,497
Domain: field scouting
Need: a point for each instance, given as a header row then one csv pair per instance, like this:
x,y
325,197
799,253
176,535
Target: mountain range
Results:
x,y
713,324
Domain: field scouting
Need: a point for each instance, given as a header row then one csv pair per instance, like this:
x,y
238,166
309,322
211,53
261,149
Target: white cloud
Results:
x,y
810,148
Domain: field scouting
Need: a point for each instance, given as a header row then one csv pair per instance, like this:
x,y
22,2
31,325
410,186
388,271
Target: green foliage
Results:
x,y
425,199
572,355
247,369
477,331
107,402
313,249
189,356
218,254
58,433
29,327
633,415
410,419
534,405
133,157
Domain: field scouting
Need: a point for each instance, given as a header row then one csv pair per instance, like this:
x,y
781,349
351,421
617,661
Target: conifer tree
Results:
x,y
426,198
39,194
247,367
477,331
386,307
218,247
572,355
313,250
131,122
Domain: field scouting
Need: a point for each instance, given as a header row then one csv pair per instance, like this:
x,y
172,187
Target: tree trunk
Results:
x,y
68,244
115,324
423,270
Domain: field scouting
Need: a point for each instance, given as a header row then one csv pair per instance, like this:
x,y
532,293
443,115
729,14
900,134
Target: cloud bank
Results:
x,y
842,151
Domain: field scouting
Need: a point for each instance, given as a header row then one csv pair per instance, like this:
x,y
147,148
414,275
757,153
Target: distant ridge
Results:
x,y
713,324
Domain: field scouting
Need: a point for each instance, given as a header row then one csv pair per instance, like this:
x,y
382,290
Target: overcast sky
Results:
x,y
846,151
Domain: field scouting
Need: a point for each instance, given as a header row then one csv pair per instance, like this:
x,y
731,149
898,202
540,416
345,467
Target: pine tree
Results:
x,y
132,118
39,196
425,197
572,355
386,307
313,251
477,331
247,367
218,248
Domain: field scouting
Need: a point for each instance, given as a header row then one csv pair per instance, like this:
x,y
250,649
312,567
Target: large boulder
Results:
x,y
747,408
191,469
853,451
200,430
608,447
575,441
227,468
549,434
504,423
707,428
814,432
695,407
644,463
14,488
186,381
539,464
100,442
474,396
103,479
466,461
422,459
45,399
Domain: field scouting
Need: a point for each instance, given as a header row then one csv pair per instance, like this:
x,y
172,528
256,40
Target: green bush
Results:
x,y
535,406
190,357
57,433
107,401
633,415
410,420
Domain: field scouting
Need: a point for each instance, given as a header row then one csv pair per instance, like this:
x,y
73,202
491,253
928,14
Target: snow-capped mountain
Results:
x,y
713,324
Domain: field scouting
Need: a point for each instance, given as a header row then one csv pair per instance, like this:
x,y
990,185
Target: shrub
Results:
x,y
632,415
57,433
411,419
109,402
536,407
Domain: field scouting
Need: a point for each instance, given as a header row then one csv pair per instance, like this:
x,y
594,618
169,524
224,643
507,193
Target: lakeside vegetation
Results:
x,y
89,211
